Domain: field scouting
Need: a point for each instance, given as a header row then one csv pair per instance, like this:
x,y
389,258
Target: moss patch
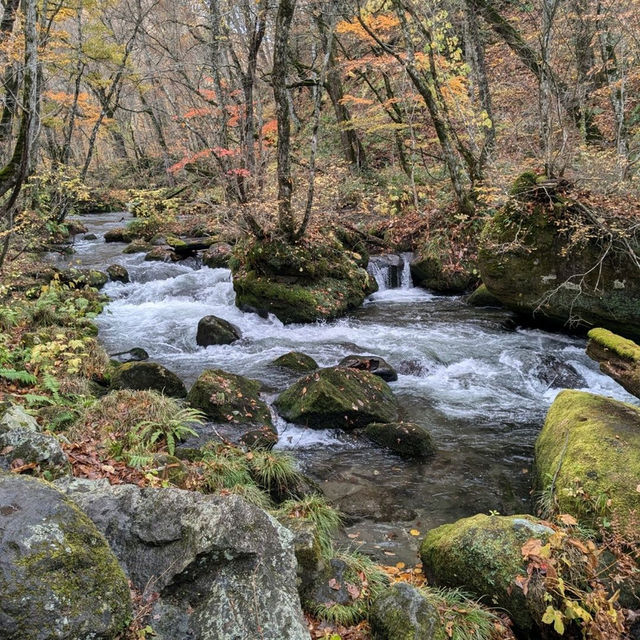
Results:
x,y
296,361
621,347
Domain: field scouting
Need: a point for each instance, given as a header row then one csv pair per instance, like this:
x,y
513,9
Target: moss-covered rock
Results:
x,y
58,577
618,358
588,455
162,254
373,364
121,234
483,556
84,278
13,416
482,297
118,273
298,283
540,255
435,267
189,246
148,375
137,246
338,398
213,330
41,450
231,399
217,256
407,439
296,361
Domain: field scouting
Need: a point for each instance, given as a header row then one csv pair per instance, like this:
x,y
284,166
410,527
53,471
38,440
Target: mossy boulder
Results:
x,y
120,234
118,273
338,398
482,297
542,256
405,612
213,330
162,254
588,454
136,246
437,267
217,256
373,364
233,400
22,446
407,439
483,556
299,282
58,577
13,416
618,358
84,278
296,361
148,375
189,246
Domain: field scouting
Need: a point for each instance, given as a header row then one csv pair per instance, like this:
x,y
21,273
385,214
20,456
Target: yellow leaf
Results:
x,y
414,532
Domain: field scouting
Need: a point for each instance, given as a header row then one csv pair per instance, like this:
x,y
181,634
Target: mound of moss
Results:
x,y
338,398
588,457
299,282
483,556
543,256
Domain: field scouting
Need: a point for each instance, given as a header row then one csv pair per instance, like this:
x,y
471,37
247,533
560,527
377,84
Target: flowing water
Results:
x,y
481,385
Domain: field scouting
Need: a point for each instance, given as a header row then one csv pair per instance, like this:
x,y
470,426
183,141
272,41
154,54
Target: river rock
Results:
x,y
299,282
482,297
137,354
213,330
436,268
407,439
482,555
84,278
189,246
136,246
296,361
118,273
618,358
235,401
217,256
223,569
58,577
121,234
90,236
75,227
338,398
148,375
162,254
374,364
590,443
528,261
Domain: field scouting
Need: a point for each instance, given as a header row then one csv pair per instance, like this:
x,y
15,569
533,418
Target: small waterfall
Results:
x,y
392,271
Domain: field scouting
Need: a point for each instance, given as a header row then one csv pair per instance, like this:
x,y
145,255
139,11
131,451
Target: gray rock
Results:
x,y
213,330
407,439
148,375
58,577
13,416
223,569
217,256
29,446
118,273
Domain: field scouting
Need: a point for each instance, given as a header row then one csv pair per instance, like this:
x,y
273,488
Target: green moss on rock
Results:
x,y
338,398
588,455
483,556
482,297
621,347
407,439
147,375
296,361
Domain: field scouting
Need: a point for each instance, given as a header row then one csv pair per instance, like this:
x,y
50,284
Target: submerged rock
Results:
x,y
217,256
589,449
58,577
618,358
148,375
213,330
533,262
118,273
233,400
296,361
338,398
483,556
223,569
298,282
407,439
373,364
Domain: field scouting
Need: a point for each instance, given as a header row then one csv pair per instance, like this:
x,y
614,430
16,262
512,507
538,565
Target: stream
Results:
x,y
480,384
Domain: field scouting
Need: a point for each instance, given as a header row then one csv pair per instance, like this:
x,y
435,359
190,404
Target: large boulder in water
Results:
x,y
482,555
234,401
118,273
588,451
213,330
533,260
148,375
223,569
618,358
58,577
299,282
296,361
338,398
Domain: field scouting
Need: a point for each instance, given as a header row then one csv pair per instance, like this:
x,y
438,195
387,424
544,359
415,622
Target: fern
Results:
x,y
23,377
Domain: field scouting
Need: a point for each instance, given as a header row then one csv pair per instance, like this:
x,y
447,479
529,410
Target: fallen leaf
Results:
x,y
567,519
414,532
